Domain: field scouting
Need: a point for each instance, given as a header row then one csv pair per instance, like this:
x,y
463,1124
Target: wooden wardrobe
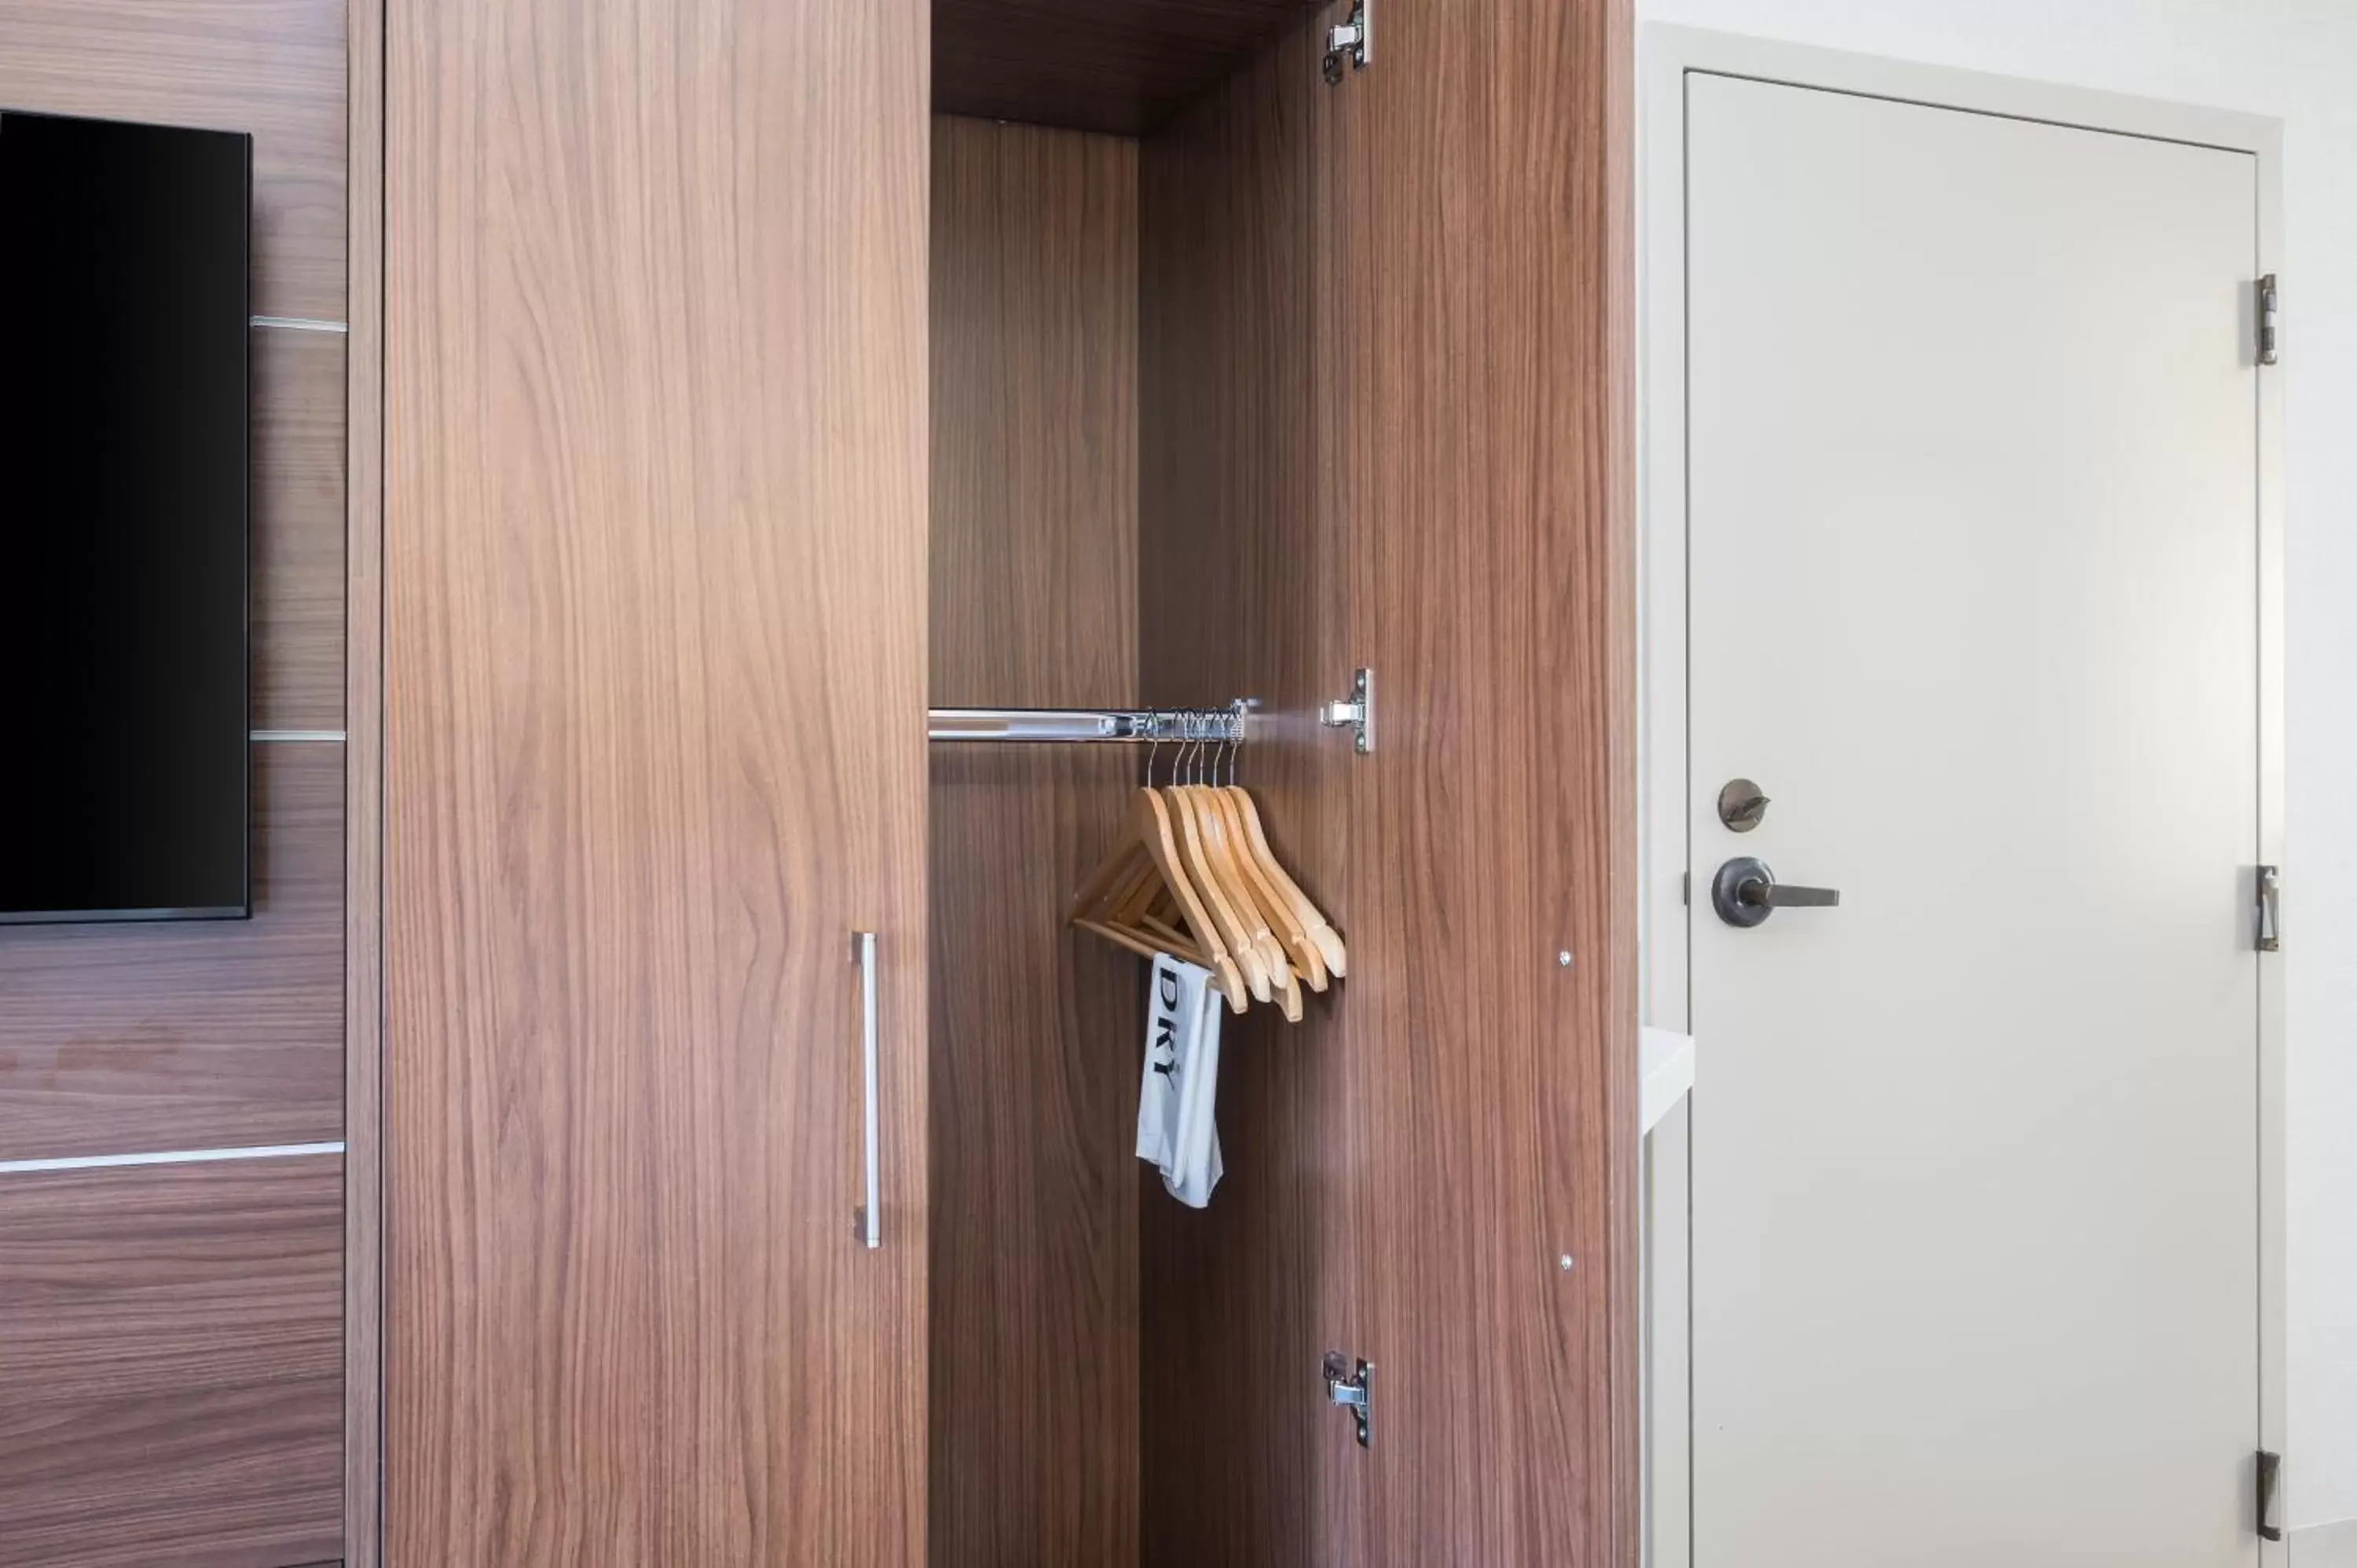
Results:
x,y
757,374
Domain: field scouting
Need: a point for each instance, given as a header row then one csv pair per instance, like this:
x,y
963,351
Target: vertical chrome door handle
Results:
x,y
2270,909
868,1219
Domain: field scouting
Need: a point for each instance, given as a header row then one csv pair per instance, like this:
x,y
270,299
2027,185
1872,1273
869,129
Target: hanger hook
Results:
x,y
1154,744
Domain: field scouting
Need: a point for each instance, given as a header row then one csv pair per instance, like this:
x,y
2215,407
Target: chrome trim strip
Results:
x,y
171,1157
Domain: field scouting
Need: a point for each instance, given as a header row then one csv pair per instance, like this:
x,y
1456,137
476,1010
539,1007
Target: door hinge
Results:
x,y
1354,1391
2270,1495
1353,39
1355,712
2270,938
2270,306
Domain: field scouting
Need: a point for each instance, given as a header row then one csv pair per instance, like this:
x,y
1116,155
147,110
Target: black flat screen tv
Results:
x,y
125,320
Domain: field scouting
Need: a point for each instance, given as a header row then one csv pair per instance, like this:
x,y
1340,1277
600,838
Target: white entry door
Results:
x,y
1974,601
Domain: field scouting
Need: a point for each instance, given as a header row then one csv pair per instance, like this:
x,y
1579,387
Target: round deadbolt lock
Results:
x,y
1742,806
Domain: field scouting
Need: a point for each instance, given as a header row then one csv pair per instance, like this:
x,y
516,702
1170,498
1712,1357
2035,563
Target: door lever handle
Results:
x,y
1746,892
1784,896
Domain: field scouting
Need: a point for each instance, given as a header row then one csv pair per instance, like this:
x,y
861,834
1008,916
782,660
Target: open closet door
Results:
x,y
1386,381
655,660
1478,254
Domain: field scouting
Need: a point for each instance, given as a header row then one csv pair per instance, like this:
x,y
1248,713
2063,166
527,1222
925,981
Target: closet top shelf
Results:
x,y
1135,726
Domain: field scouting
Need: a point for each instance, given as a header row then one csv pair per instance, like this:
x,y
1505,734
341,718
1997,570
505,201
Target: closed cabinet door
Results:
x,y
1974,646
654,748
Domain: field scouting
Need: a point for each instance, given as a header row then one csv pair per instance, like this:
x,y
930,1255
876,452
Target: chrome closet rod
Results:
x,y
1135,725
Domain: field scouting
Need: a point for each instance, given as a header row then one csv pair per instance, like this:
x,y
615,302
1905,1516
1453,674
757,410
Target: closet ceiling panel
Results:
x,y
1123,66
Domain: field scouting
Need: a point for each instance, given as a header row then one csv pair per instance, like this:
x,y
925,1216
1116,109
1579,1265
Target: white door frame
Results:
x,y
1667,55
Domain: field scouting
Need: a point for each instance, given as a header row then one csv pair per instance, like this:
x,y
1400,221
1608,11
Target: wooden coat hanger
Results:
x,y
1291,934
1196,880
1194,842
1321,935
1149,866
1233,858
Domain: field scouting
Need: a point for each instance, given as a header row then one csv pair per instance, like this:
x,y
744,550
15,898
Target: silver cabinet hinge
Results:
x,y
2269,307
1353,1389
1355,712
2270,936
2270,1476
1353,39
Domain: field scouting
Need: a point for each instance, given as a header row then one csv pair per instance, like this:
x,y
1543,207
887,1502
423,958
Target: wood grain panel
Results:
x,y
654,664
297,608
274,68
170,1346
364,807
192,1034
1035,1047
1241,592
1123,66
1482,460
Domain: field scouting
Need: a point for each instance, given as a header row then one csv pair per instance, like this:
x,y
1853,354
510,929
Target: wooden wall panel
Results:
x,y
654,672
274,68
298,597
191,1034
170,1345
1481,236
1241,592
214,1444
1035,1030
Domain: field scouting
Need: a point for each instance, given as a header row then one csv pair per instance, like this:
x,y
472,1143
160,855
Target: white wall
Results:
x,y
2297,60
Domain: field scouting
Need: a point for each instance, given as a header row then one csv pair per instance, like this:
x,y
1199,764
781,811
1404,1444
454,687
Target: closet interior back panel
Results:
x,y
1035,1029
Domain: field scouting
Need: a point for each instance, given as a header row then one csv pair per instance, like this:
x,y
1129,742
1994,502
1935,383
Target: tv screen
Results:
x,y
123,327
